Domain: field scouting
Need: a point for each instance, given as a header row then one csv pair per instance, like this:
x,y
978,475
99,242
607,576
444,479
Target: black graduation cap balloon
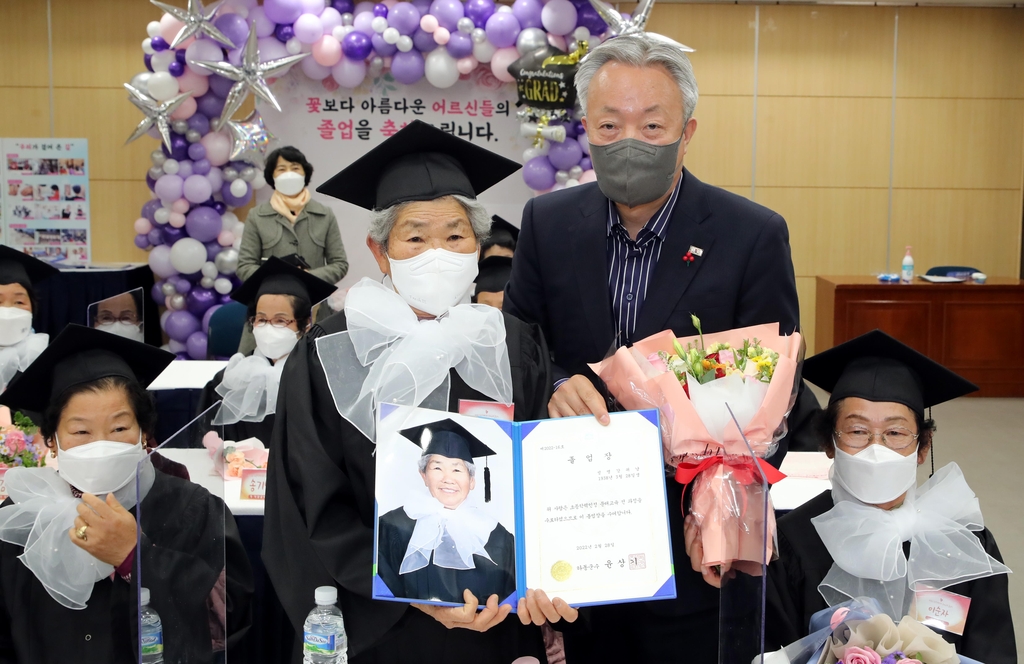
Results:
x,y
877,367
19,267
495,272
79,355
450,439
419,163
277,277
541,85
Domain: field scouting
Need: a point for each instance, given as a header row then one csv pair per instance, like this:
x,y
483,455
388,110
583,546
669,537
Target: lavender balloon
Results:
x,y
480,10
203,223
231,199
210,104
149,207
199,300
528,12
460,45
381,47
364,23
195,346
200,123
181,284
155,237
404,17
234,28
565,155
201,167
197,151
423,41
180,325
197,189
586,164
447,13
502,29
282,11
206,317
212,249
142,241
157,293
408,67
169,187
220,85
356,45
539,174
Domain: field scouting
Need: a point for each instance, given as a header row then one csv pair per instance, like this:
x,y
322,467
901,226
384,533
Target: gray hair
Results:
x,y
382,222
425,459
640,51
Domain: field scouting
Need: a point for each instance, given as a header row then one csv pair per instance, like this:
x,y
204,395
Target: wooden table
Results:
x,y
977,330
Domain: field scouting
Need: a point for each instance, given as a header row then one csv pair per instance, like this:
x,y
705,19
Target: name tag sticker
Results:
x,y
489,409
941,609
254,484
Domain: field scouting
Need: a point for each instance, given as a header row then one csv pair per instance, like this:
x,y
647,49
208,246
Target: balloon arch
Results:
x,y
201,64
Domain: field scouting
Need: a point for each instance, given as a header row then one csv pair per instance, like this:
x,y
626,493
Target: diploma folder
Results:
x,y
585,503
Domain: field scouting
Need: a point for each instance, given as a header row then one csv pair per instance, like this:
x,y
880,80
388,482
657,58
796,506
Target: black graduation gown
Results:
x,y
239,430
183,553
804,561
318,528
490,577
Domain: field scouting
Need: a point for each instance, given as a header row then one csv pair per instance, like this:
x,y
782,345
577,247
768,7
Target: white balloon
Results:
x,y
162,86
561,177
162,60
441,69
153,28
479,35
484,51
239,187
171,166
582,33
209,269
404,43
379,24
391,35
162,215
237,244
258,183
504,8
147,47
188,255
572,182
339,32
229,220
222,285
207,282
293,46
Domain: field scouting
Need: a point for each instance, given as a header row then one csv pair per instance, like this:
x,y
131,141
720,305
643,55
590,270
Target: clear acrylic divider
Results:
x,y
744,491
123,315
180,554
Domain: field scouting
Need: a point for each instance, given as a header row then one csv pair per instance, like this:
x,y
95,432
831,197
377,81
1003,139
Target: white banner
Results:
x,y
333,127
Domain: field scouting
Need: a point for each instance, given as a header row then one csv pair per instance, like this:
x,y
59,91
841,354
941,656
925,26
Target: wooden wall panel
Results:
x,y
826,51
106,118
24,112
115,206
23,46
822,142
958,52
719,152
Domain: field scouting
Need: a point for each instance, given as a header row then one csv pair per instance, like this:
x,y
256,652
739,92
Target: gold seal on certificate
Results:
x,y
561,571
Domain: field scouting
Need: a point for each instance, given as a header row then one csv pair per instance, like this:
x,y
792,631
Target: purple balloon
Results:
x,y
344,6
200,123
150,182
220,85
210,104
423,6
234,27
284,33
149,207
481,10
196,151
460,45
363,23
220,207
155,237
195,345
356,45
196,189
179,55
147,60
180,324
527,12
447,13
586,164
381,47
407,67
539,174
502,29
380,10
212,249
142,241
404,17
264,26
159,43
179,147
182,285
199,300
206,317
181,356
565,155
570,130
157,293
282,11
201,167
185,169
203,223
231,199
169,187
171,234
215,177
226,299
423,41
588,17
175,69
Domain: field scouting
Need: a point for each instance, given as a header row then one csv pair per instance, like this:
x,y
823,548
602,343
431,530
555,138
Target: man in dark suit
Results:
x,y
603,265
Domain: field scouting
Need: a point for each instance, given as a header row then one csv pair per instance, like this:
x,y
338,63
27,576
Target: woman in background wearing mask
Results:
x,y
876,533
280,300
71,595
120,315
292,226
410,340
19,344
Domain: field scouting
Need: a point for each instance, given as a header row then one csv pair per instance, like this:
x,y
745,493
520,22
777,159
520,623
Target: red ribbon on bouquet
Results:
x,y
742,467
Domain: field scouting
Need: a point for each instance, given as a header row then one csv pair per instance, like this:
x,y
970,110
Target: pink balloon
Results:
x,y
169,27
142,226
500,61
588,176
203,50
186,110
327,51
177,220
218,147
349,73
428,23
467,64
193,82
180,206
197,188
558,42
226,238
442,36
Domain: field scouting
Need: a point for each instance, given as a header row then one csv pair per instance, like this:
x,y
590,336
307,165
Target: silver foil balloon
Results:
x,y
227,261
156,172
248,174
179,126
347,19
193,136
479,35
168,289
176,302
466,25
250,139
531,39
637,25
157,113
575,172
206,282
197,19
141,80
157,157
376,66
561,177
229,173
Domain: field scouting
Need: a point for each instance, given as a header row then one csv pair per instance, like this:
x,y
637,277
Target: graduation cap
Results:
x,y
17,267
494,274
277,277
877,367
503,233
79,355
418,163
450,439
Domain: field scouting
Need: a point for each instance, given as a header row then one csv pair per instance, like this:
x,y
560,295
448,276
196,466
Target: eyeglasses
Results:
x,y
107,318
895,438
277,321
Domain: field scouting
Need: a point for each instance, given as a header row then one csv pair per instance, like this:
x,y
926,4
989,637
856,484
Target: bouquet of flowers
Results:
x,y
699,384
20,445
858,632
230,458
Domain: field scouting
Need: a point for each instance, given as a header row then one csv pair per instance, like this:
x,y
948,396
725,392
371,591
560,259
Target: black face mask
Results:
x,y
632,172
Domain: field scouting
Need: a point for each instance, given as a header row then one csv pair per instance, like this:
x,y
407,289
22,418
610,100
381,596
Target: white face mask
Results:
x,y
100,467
122,329
15,325
275,342
435,280
875,475
290,183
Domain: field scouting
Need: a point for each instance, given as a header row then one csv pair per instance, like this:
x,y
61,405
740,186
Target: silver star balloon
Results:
x,y
196,19
250,140
250,77
635,25
157,113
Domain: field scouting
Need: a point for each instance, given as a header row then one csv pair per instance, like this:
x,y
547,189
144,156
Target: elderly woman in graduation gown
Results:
x,y
68,558
876,533
20,345
280,299
410,342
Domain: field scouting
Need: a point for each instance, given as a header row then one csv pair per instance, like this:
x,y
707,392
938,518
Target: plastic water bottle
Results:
x,y
907,275
152,633
323,636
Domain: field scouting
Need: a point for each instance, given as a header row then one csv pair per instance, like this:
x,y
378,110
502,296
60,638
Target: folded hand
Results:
x,y
538,609
467,616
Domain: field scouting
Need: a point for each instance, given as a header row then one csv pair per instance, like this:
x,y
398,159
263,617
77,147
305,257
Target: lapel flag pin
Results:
x,y
696,251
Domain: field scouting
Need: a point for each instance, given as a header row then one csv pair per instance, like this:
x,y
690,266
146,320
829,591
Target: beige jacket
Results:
x,y
315,236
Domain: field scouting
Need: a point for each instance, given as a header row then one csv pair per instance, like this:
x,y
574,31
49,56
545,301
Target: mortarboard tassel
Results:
x,y
487,482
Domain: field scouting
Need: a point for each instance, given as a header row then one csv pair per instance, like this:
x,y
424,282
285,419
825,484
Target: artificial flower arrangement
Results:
x,y
230,458
695,382
858,632
20,445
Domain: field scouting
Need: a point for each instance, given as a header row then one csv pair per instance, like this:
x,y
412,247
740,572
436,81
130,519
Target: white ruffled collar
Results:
x,y
249,388
19,356
452,536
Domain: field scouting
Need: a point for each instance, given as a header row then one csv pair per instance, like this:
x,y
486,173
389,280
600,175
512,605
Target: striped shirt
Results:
x,y
631,264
